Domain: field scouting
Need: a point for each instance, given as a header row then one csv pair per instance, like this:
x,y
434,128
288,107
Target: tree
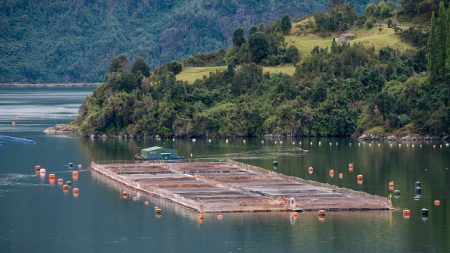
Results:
x,y
139,66
370,22
286,24
238,37
293,55
371,10
431,49
175,67
252,30
441,41
258,46
119,63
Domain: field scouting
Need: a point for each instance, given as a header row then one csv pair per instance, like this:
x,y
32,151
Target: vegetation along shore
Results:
x,y
332,74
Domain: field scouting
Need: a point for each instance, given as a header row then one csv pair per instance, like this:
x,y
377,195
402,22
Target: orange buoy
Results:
x,y
331,173
341,175
200,216
321,213
124,195
295,215
437,202
66,188
350,167
146,202
310,170
75,175
359,179
51,176
79,166
60,181
391,185
406,213
51,180
220,217
76,192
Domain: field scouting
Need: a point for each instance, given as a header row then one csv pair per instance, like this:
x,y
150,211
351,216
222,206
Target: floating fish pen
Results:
x,y
230,186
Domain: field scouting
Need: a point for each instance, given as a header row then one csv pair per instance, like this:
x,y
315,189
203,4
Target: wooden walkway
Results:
x,y
231,186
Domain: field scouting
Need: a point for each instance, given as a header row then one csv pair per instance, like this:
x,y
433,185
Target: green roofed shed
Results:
x,y
159,153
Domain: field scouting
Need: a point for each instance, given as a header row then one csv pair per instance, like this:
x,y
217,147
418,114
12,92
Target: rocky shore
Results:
x,y
408,138
60,129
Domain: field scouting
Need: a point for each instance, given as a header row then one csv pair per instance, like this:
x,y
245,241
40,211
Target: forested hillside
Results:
x,y
342,89
66,40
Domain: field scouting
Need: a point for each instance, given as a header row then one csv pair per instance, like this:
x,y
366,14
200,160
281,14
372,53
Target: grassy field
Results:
x,y
375,37
190,74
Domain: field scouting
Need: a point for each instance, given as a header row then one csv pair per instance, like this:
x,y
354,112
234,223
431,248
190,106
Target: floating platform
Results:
x,y
215,187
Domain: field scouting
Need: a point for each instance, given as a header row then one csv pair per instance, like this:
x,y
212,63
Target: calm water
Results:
x,y
36,216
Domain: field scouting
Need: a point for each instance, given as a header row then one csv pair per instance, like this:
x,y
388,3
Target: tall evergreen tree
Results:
x,y
238,37
448,47
286,24
432,59
441,42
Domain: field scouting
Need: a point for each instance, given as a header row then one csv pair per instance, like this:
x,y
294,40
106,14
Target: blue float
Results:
x,y
16,139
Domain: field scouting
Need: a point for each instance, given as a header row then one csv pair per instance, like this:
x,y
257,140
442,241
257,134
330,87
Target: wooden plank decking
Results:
x,y
234,187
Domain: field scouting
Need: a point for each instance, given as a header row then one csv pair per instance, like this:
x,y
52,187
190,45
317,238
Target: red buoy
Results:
x,y
391,185
124,195
350,167
76,192
437,202
60,181
359,179
406,213
331,173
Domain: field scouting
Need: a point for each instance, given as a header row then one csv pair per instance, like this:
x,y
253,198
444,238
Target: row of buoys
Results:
x,y
331,173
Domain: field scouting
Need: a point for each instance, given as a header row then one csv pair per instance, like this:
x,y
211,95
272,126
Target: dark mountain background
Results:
x,y
73,41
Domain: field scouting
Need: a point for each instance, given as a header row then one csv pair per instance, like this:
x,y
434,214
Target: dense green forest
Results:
x,y
342,90
72,41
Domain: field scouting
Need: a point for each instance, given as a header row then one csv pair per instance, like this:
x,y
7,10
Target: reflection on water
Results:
x,y
37,216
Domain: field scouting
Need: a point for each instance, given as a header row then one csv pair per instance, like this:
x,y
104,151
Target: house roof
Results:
x,y
152,148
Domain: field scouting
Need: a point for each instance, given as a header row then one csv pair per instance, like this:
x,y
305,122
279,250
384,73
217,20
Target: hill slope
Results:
x,y
57,41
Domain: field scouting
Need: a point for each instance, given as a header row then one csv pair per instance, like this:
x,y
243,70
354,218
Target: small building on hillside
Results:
x,y
345,37
159,153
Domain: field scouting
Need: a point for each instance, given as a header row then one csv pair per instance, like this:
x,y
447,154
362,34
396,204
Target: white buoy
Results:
x,y
440,146
310,143
420,145
281,142
226,141
359,143
173,139
300,143
390,145
276,142
370,144
337,144
209,140
399,145
434,146
446,144
350,144
192,155
262,141
320,143
194,140
407,145
331,144
244,141
379,144
293,143
412,145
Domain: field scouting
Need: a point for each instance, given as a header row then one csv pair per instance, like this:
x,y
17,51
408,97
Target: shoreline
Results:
x,y
69,128
49,85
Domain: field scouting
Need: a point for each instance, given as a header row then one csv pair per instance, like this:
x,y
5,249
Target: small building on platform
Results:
x,y
159,153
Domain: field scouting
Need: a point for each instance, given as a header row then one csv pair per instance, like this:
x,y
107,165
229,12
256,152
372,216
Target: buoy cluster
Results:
x,y
42,172
331,173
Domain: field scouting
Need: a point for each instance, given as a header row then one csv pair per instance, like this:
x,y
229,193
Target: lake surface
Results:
x,y
36,216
